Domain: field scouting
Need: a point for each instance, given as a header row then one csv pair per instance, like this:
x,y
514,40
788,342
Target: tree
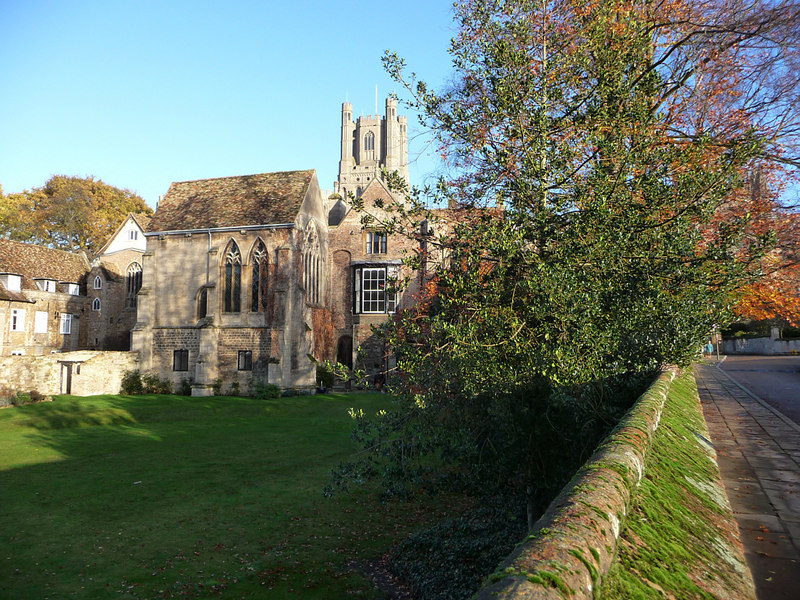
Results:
x,y
776,295
614,139
70,213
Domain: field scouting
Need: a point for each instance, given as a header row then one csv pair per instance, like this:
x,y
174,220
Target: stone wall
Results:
x,y
767,346
573,545
85,372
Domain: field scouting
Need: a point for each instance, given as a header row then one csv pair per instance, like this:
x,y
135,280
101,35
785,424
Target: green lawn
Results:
x,y
169,496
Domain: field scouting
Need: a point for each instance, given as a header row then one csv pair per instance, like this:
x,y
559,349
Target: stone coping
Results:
x,y
574,543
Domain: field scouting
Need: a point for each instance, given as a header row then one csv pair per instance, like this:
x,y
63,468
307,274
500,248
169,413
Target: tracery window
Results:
x,y
133,283
258,295
233,279
312,266
369,146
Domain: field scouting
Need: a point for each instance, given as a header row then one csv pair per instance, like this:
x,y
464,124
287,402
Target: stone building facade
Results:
x,y
113,285
235,283
370,146
43,302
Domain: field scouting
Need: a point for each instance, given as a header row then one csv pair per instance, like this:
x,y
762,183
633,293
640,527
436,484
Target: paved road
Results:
x,y
774,379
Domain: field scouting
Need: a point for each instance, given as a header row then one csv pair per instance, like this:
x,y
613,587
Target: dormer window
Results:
x,y
13,283
46,285
73,289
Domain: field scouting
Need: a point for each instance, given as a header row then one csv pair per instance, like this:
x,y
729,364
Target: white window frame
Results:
x,y
73,289
133,235
98,283
40,321
370,285
17,319
13,283
46,285
65,326
96,304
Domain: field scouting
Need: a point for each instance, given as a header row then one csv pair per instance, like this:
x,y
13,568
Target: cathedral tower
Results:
x,y
370,145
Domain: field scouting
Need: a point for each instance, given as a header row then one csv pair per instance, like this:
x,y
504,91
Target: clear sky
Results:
x,y
142,93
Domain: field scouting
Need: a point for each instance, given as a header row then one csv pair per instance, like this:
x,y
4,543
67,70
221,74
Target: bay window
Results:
x,y
374,291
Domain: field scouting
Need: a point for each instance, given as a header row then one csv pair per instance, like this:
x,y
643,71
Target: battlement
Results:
x,y
370,144
370,120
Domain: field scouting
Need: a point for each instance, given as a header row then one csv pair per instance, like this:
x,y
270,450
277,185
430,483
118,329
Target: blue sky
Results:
x,y
143,93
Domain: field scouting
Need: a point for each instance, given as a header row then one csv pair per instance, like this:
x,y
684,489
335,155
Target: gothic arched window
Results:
x,y
233,279
258,296
133,283
369,141
312,266
202,304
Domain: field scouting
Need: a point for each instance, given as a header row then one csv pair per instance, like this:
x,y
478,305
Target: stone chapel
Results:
x,y
252,279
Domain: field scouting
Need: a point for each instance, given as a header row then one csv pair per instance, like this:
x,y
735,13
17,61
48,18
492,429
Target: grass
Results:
x,y
679,539
176,497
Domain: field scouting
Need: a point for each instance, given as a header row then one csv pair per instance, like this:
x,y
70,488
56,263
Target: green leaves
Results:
x,y
591,245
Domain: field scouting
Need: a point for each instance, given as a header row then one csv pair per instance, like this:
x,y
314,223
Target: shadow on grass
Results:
x,y
165,496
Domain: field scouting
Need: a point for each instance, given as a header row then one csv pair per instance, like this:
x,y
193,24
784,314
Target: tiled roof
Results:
x,y
38,262
142,220
268,198
12,296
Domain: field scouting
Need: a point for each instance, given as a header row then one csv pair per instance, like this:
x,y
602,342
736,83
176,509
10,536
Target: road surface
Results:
x,y
774,379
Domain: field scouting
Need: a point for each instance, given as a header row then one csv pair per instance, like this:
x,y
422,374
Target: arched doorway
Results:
x,y
344,351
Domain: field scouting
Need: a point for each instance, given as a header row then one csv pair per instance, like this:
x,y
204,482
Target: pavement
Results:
x,y
758,451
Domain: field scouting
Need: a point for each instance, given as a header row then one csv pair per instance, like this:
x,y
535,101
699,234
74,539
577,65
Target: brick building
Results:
x,y
365,264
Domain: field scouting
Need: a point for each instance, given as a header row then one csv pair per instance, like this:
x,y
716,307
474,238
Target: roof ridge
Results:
x,y
242,176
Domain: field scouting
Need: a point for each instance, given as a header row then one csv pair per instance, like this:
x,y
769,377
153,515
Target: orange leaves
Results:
x,y
775,296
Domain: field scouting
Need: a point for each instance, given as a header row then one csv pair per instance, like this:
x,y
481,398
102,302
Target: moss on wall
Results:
x,y
680,539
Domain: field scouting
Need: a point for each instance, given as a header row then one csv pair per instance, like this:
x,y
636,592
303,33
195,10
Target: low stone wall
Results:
x,y
574,543
767,346
85,372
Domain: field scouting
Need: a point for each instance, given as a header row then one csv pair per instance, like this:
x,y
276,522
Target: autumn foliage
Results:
x,y
70,213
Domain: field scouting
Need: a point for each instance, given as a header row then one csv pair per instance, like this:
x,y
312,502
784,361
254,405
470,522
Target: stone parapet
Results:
x,y
573,544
